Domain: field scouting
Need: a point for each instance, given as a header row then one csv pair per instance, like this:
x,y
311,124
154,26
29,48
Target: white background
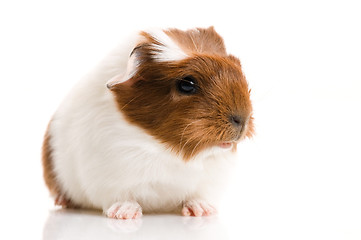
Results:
x,y
298,178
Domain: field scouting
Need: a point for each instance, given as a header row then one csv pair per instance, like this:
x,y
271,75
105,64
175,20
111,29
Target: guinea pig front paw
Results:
x,y
197,208
124,210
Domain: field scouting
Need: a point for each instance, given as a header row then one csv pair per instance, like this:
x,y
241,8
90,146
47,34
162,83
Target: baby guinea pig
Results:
x,y
154,128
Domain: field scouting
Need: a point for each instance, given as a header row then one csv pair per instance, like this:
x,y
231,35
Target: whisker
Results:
x,y
128,103
185,144
201,140
180,142
197,145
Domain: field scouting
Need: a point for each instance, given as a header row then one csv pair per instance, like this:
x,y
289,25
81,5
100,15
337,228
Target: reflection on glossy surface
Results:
x,y
72,224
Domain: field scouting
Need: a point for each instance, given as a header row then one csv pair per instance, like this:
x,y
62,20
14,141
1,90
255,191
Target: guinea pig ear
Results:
x,y
127,77
153,47
234,59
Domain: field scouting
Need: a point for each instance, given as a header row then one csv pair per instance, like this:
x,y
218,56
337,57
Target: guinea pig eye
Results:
x,y
187,85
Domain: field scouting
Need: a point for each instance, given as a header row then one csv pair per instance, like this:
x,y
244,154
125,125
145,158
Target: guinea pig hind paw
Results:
x,y
124,210
197,208
63,201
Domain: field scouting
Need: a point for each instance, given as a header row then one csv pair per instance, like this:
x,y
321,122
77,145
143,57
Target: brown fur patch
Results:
x,y
187,124
199,40
49,174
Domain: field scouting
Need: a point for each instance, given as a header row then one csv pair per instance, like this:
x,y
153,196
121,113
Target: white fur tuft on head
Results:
x,y
167,50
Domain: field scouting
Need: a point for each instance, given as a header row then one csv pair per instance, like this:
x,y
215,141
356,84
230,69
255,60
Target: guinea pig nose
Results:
x,y
236,121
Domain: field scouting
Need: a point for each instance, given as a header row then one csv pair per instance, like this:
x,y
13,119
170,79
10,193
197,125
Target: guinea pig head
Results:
x,y
183,89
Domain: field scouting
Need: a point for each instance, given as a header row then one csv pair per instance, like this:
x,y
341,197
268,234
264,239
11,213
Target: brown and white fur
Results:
x,y
126,140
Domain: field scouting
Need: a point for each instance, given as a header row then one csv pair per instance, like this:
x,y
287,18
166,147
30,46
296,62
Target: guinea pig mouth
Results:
x,y
225,145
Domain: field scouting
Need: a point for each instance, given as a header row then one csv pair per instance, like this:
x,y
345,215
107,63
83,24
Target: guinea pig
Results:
x,y
154,128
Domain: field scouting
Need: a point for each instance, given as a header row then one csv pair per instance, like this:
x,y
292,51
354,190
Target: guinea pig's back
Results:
x,y
84,121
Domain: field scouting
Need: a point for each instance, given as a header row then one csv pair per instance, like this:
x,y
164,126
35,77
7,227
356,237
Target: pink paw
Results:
x,y
64,202
197,208
124,210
